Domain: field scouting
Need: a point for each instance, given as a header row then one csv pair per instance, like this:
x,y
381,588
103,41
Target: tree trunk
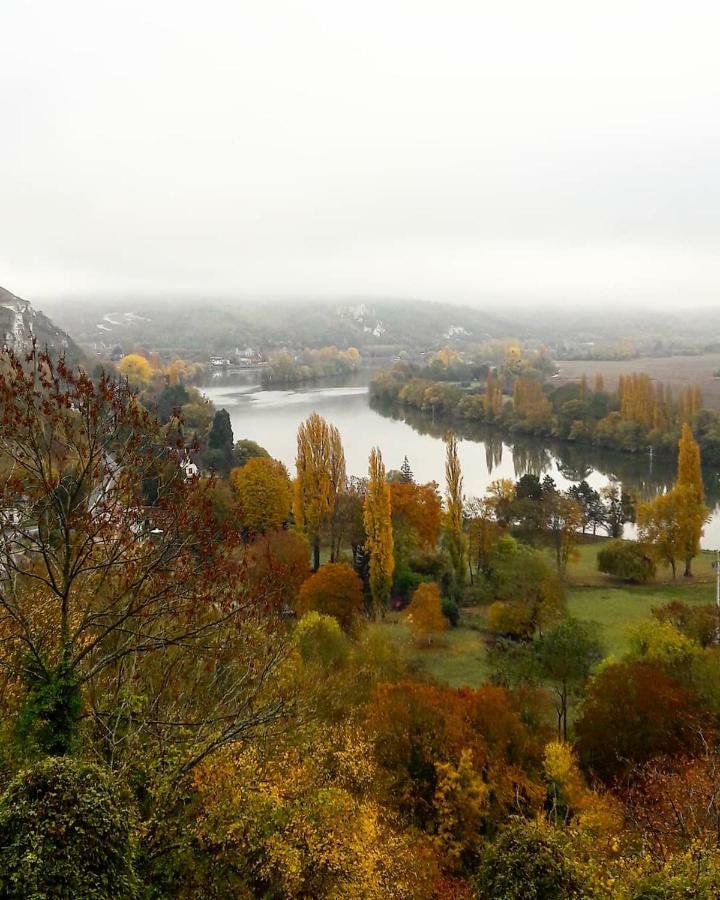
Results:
x,y
688,567
316,553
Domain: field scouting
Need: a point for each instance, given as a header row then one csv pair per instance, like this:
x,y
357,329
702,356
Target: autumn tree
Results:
x,y
377,516
136,369
424,613
334,590
483,536
320,464
263,494
499,499
66,830
101,598
629,560
416,517
417,726
277,564
635,711
692,510
453,534
659,526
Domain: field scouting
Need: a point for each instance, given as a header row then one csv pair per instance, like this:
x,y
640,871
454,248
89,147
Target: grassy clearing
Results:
x,y
459,658
583,571
616,608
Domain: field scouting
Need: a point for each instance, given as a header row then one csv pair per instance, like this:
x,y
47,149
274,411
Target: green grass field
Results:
x,y
458,657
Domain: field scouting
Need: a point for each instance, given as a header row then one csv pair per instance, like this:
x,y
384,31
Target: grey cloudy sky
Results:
x,y
452,150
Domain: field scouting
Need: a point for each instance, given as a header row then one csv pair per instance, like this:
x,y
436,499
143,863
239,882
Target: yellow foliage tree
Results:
x,y
693,512
493,396
462,801
377,516
320,464
453,535
263,494
658,523
136,369
425,615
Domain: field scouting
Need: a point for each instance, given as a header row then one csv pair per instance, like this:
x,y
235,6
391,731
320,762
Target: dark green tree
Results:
x,y
565,657
406,473
219,452
66,832
526,863
245,450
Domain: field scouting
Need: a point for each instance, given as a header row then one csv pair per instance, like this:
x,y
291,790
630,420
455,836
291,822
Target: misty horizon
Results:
x,y
461,153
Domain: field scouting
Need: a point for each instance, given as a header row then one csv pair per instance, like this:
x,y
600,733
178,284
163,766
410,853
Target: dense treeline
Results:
x,y
202,695
638,415
285,369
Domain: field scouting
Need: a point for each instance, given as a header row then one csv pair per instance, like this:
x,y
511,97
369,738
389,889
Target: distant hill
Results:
x,y
217,327
19,323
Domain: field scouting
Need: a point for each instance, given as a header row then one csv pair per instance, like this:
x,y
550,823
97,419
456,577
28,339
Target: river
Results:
x,y
271,417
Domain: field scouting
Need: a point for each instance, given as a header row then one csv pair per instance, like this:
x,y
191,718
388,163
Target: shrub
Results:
x,y
65,832
450,611
405,583
525,863
334,590
628,560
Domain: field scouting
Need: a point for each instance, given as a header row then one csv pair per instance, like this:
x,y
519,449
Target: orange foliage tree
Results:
x,y
418,726
334,590
635,711
277,565
416,518
424,613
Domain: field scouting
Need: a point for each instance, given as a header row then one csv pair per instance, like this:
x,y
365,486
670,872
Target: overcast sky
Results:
x,y
468,151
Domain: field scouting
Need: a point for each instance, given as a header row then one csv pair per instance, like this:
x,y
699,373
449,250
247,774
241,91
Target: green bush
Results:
x,y
627,560
406,583
66,832
526,863
450,611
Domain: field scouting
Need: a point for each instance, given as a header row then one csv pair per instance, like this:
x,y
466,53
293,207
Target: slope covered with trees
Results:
x,y
189,710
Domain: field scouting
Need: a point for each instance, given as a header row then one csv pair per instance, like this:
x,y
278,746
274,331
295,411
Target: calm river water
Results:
x,y
272,417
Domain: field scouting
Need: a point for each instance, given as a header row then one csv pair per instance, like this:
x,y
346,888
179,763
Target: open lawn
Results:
x,y
458,657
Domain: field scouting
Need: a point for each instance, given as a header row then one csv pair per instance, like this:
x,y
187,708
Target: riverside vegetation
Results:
x,y
516,393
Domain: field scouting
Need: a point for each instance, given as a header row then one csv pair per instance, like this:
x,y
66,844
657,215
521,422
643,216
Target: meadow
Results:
x,y
459,656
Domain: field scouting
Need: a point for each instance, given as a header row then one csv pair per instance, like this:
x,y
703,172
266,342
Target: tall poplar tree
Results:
x,y
692,510
320,464
377,516
453,535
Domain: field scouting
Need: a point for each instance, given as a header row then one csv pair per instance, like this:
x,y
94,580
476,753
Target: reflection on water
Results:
x,y
272,417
